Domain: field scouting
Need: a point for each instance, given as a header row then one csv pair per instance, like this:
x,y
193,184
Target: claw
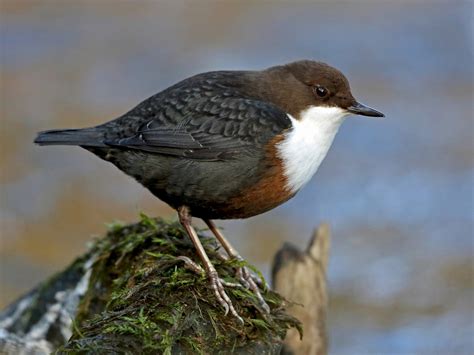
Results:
x,y
218,286
240,275
249,280
245,277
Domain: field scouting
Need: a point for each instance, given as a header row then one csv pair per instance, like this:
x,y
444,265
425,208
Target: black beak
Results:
x,y
359,109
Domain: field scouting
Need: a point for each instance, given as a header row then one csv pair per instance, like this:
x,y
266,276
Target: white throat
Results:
x,y
307,143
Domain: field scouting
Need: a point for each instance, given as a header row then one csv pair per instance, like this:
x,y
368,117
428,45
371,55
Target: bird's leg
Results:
x,y
196,268
217,285
232,252
243,273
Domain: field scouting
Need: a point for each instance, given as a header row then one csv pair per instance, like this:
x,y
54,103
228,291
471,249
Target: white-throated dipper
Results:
x,y
226,144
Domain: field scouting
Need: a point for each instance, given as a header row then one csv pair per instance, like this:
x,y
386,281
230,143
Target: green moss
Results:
x,y
142,299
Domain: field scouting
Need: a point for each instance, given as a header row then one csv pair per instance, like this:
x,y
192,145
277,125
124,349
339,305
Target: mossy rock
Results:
x,y
141,299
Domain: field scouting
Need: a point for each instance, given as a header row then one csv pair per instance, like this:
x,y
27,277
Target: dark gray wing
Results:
x,y
208,128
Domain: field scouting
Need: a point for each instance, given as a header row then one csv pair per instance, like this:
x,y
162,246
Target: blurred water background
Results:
x,y
398,193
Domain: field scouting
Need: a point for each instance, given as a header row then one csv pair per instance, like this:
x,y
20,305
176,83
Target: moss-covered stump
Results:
x,y
138,297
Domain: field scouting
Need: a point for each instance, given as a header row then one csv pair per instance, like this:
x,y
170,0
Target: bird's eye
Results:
x,y
321,91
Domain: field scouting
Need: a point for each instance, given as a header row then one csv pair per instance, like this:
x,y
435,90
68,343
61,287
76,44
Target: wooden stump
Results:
x,y
301,277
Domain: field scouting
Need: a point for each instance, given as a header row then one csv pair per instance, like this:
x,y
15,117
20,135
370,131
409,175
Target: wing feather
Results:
x,y
210,128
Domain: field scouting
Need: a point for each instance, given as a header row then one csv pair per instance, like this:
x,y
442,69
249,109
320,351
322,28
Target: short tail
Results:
x,y
88,137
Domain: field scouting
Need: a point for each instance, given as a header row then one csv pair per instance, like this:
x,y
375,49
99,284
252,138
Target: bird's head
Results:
x,y
320,85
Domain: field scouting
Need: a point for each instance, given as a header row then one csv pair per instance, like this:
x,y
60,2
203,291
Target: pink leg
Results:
x,y
244,275
185,218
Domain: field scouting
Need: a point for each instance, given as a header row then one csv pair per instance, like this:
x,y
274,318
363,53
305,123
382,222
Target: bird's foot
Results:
x,y
217,285
252,282
243,274
246,278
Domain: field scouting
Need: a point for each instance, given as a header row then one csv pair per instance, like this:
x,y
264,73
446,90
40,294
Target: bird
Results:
x,y
226,145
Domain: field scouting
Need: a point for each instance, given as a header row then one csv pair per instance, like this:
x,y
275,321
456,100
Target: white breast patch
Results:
x,y
307,143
